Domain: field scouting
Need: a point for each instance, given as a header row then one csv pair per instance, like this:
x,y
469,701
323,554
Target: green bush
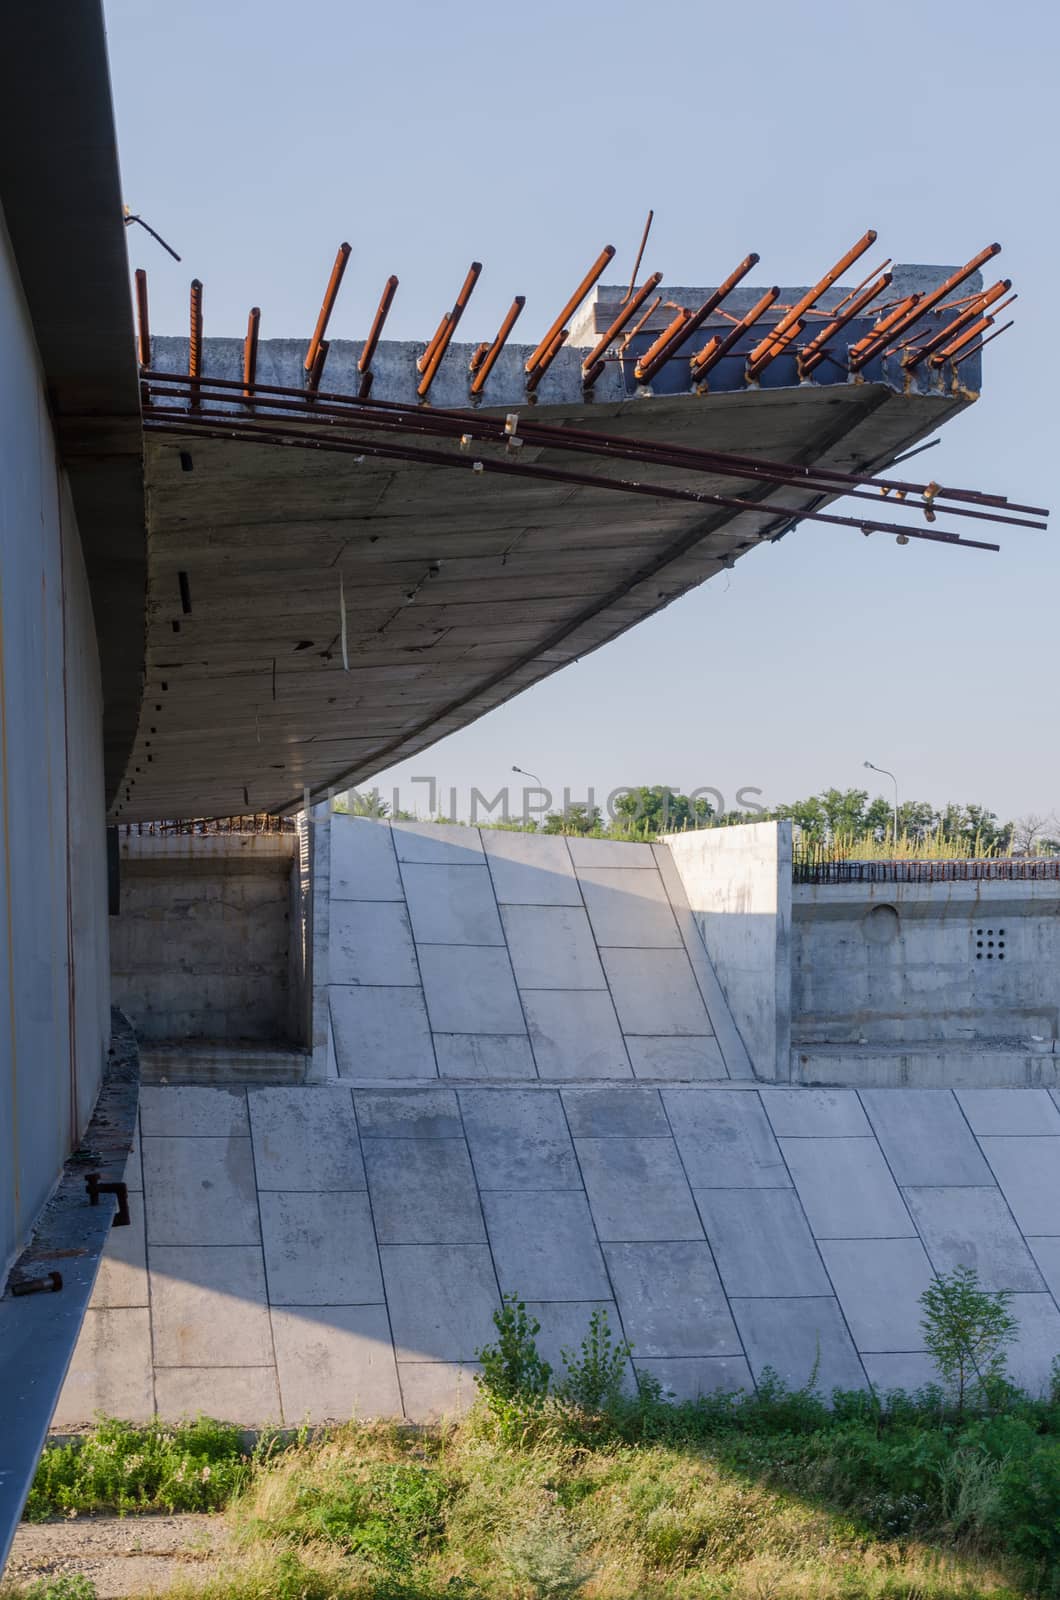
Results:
x,y
596,1372
966,1331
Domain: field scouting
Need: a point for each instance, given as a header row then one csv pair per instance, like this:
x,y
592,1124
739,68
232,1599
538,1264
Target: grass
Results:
x,y
775,1497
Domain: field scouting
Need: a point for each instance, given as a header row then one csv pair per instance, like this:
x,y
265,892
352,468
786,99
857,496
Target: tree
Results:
x,y
577,818
966,1331
659,809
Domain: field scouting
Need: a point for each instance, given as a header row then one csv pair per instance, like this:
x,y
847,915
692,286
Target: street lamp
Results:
x,y
523,773
872,766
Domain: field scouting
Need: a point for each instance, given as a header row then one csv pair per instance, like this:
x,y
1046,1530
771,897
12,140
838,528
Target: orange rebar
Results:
x,y
433,342
638,325
717,347
327,306
968,337
534,378
876,342
857,351
978,305
859,286
312,382
374,332
814,353
679,332
974,351
629,308
640,258
775,341
195,339
511,317
250,352
446,329
572,305
143,324
478,356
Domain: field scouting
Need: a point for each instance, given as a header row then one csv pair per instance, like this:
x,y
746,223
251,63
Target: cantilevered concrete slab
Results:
x,y
316,616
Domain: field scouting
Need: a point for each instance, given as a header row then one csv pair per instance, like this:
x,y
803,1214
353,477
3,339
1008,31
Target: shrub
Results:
x,y
966,1330
514,1380
597,1372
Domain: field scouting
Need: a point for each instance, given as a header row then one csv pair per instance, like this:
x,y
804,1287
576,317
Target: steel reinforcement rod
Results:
x,y
682,329
781,335
571,307
431,359
880,338
327,306
485,367
573,438
222,425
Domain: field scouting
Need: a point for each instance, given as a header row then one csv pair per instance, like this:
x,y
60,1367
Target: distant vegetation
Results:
x,y
846,822
569,1485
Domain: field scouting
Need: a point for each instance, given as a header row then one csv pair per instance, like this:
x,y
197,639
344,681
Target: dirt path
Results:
x,y
123,1556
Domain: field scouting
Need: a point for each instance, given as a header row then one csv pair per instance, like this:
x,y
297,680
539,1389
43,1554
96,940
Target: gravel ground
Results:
x,y
123,1556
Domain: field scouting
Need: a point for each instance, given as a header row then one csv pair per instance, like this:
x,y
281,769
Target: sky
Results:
x,y
256,136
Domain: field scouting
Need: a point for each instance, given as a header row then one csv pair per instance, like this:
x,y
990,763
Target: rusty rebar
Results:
x,y
143,321
250,351
628,309
511,317
446,329
327,305
572,305
968,337
777,339
859,286
386,300
534,378
227,425
638,325
861,351
974,351
719,346
640,258
679,332
314,376
926,303
812,354
478,356
978,305
195,337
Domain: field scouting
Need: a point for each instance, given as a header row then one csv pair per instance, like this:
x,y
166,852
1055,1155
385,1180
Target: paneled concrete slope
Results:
x,y
315,617
326,1251
468,953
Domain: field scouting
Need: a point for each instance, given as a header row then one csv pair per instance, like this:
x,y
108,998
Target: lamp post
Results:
x,y
523,773
872,766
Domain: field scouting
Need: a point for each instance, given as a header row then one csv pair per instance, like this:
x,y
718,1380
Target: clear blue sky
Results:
x,y
256,136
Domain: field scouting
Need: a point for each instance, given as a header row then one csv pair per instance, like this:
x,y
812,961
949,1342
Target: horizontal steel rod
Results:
x,y
223,426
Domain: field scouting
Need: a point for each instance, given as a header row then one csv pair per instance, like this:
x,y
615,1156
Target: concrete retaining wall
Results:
x,y
208,941
738,882
54,1002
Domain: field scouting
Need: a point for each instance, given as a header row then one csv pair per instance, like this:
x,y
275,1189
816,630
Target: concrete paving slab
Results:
x,y
692,1059
655,992
531,869
725,1139
408,1114
434,1391
442,844
320,1250
846,1189
1010,1111
1046,1253
925,1137
470,990
671,1300
371,942
111,1369
575,1034
552,947
544,1245
191,1112
305,1138
604,1113
591,853
909,1370
423,1191
761,1242
247,1396
815,1113
200,1192
205,1302
1037,1343
637,1189
363,861
519,1139
803,1340
334,1363
381,1033
1028,1171
492,1056
964,1227
451,904
686,1378
442,1298
879,1283
628,907
563,1326
122,1276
